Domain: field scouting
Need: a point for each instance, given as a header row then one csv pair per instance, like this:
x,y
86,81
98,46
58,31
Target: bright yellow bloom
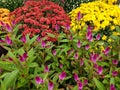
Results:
x,y
104,37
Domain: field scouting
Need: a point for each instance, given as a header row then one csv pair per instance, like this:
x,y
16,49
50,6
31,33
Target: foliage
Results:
x,y
102,17
11,4
41,17
72,63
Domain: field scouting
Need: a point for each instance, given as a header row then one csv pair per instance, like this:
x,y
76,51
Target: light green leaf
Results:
x,y
99,85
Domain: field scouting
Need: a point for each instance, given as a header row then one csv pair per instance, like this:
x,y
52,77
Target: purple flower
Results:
x,y
89,28
23,57
94,57
80,85
76,78
95,65
23,39
2,41
98,37
112,87
71,37
2,23
106,51
87,46
114,73
43,44
8,40
89,36
38,38
46,69
39,80
61,65
85,81
56,27
115,62
50,86
54,52
9,29
79,44
79,16
62,75
100,70
13,22
10,59
76,55
81,62
67,26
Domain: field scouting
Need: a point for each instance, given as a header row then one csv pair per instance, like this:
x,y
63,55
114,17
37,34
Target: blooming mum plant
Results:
x,y
103,18
41,18
73,62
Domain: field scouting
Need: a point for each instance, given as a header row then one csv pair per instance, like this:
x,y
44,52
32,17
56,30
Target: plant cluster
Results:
x,y
11,4
103,18
33,63
41,17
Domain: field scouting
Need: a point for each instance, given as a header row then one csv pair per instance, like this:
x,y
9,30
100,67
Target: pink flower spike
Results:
x,y
89,28
46,69
76,55
85,81
81,62
76,78
43,44
25,55
8,40
87,47
39,80
106,51
114,73
80,85
56,27
13,22
2,23
23,39
98,37
22,59
79,44
112,87
62,75
50,86
100,70
54,52
38,38
2,41
89,35
79,16
9,29
115,62
67,26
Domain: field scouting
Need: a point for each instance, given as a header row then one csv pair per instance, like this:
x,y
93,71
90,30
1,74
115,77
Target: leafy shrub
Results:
x,y
11,4
102,17
73,63
41,17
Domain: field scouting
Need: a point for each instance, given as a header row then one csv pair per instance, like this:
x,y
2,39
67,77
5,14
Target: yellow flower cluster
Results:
x,y
109,1
4,16
97,14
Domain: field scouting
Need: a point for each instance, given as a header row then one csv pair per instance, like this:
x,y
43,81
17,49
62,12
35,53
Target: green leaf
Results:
x,y
51,35
32,40
112,81
75,88
9,79
64,40
99,85
2,87
34,64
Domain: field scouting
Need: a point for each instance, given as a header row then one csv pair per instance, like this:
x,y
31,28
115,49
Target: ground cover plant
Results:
x,y
78,59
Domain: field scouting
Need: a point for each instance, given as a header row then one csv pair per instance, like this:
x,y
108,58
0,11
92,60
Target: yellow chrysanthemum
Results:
x,y
104,37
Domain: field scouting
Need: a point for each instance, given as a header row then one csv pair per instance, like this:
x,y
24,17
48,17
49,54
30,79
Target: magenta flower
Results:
x,y
81,62
89,36
76,55
13,22
76,78
100,70
87,47
94,57
56,27
61,65
79,16
85,81
114,73
115,62
54,52
71,37
50,86
23,39
23,57
46,69
67,26
2,41
98,37
79,44
9,29
89,28
80,85
62,75
2,23
106,51
43,44
112,87
10,59
95,65
39,80
8,40
38,38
